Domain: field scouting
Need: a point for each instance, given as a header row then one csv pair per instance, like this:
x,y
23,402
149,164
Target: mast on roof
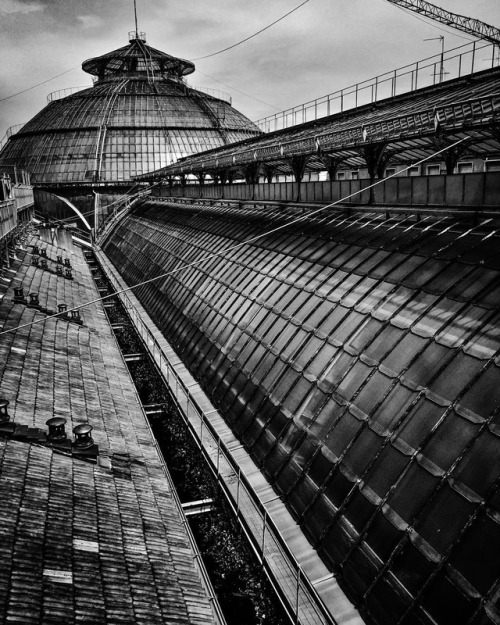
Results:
x,y
135,15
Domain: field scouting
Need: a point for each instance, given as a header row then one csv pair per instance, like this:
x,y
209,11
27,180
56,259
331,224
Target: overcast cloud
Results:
x,y
322,47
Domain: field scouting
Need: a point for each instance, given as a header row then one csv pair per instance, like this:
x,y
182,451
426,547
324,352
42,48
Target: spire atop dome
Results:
x,y
136,27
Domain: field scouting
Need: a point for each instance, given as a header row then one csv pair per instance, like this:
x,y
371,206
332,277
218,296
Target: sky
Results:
x,y
324,46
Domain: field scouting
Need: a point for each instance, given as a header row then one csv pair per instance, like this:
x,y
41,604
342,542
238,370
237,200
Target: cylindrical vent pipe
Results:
x,y
83,439
34,301
4,413
57,432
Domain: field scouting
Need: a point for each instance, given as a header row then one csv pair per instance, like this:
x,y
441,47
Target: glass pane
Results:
x,y
480,466
404,352
484,395
472,556
419,422
412,492
449,440
343,433
445,517
386,470
391,410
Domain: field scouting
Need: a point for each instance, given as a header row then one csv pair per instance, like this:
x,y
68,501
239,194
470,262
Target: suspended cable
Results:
x,y
38,84
207,56
239,91
230,248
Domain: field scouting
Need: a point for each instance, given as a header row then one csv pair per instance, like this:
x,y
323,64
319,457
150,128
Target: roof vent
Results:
x,y
34,261
69,275
34,301
75,316
43,252
4,413
56,433
67,262
59,270
19,294
83,439
43,263
35,249
59,259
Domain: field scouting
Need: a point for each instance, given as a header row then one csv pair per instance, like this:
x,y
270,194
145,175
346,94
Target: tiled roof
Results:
x,y
83,541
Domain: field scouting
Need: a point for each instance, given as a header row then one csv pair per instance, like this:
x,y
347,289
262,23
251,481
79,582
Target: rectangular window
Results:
x,y
354,174
433,170
464,168
341,175
390,171
414,171
492,165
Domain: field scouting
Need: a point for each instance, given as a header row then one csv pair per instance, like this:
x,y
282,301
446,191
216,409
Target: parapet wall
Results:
x,y
468,190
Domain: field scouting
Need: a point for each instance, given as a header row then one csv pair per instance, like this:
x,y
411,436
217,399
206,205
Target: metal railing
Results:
x,y
10,131
62,93
198,560
295,591
455,63
221,95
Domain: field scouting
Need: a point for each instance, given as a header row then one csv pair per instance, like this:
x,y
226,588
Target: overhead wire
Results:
x,y
127,194
238,43
237,245
13,95
239,91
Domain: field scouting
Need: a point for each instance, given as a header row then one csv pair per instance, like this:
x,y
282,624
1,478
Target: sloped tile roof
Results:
x,y
83,541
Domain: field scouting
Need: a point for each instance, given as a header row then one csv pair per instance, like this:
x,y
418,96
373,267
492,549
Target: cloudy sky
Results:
x,y
323,46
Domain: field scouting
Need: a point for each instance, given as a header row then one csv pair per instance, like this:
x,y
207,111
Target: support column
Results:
x,y
252,175
331,164
298,166
269,172
452,155
6,255
201,182
376,161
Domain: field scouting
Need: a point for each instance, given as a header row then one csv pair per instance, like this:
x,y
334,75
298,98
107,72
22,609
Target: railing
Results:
x,y
198,561
17,175
23,194
62,93
10,131
120,208
473,190
297,594
8,217
461,61
221,95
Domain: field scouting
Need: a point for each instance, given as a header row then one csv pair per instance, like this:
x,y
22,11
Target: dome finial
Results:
x,y
135,15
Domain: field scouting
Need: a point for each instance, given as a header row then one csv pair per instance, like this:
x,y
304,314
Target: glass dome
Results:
x,y
139,115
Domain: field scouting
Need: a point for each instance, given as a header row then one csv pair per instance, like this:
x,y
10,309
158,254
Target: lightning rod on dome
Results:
x,y
135,15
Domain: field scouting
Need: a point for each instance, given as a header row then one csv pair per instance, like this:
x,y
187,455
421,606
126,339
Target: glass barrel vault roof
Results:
x,y
358,359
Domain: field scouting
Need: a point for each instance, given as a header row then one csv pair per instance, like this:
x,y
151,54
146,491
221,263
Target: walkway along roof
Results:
x,y
409,127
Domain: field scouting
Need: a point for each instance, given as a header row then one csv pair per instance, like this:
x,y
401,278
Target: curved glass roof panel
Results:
x,y
362,377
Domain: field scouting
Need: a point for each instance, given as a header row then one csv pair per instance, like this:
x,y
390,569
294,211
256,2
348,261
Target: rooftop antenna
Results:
x,y
135,15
